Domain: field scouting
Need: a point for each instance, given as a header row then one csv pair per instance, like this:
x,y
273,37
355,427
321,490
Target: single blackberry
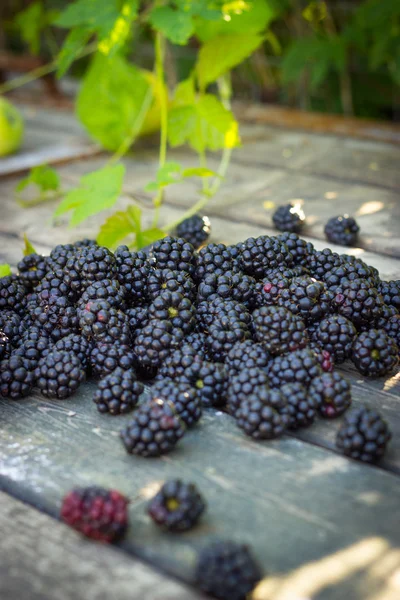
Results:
x,y
155,341
32,269
324,358
118,392
279,330
5,346
154,430
246,355
301,406
264,414
167,280
59,374
392,328
173,307
335,334
215,259
16,377
342,230
60,255
58,317
89,264
363,435
97,513
321,262
177,506
99,321
299,366
306,297
267,291
75,343
242,385
53,284
38,335
223,334
105,289
299,248
210,380
227,571
375,353
33,351
358,301
237,286
348,271
289,217
173,253
264,253
178,361
104,358
85,243
12,294
184,397
133,270
390,291
138,317
198,342
218,308
195,230
11,326
331,393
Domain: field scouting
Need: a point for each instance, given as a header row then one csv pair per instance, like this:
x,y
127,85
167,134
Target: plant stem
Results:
x,y
160,52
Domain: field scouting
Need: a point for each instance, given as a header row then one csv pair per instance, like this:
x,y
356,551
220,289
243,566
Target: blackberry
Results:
x,y
301,406
335,334
209,379
218,308
390,291
267,291
60,255
375,353
279,330
99,321
358,301
105,289
299,366
195,230
104,358
154,430
177,506
167,280
16,377
392,328
227,571
299,248
32,269
321,262
138,317
5,346
264,414
155,341
348,271
289,217
85,243
242,385
173,307
363,435
238,286
58,317
53,284
33,351
11,326
223,334
264,253
342,230
246,355
89,264
173,253
184,397
331,394
198,342
178,361
59,374
75,343
215,259
306,297
12,294
38,336
97,513
118,392
133,270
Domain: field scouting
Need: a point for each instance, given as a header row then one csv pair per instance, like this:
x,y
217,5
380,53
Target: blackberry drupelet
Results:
x,y
363,435
167,280
99,321
118,392
12,294
154,430
105,289
215,259
242,384
89,264
195,230
263,254
358,301
97,513
246,355
335,334
59,374
218,308
301,406
105,357
223,334
299,366
177,506
138,317
184,397
289,217
320,262
237,286
331,394
306,297
342,230
173,253
155,341
77,344
227,571
375,353
133,270
58,317
16,377
264,414
279,330
32,269
299,248
390,291
173,307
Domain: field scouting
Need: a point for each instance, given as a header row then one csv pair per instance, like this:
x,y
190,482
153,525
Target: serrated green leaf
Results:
x,y
222,53
177,25
5,270
181,124
184,93
74,43
119,226
28,248
198,172
96,192
169,173
216,127
43,176
148,236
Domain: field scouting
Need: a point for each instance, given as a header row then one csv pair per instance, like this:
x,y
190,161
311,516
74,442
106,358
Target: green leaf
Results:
x,y
97,15
74,43
110,100
96,192
181,124
215,127
169,173
184,93
31,22
43,176
177,25
5,270
222,53
119,226
148,236
28,248
198,172
121,28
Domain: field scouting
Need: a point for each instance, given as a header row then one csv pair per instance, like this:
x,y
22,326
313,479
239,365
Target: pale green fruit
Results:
x,y
11,128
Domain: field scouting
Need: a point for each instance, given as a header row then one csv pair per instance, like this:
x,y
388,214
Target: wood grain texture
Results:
x,y
42,559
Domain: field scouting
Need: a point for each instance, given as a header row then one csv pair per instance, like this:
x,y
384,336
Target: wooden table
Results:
x,y
322,526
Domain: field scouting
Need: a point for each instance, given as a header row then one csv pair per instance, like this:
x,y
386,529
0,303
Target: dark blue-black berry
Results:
x,y
331,393
195,229
177,506
118,392
289,217
363,435
59,374
375,353
342,230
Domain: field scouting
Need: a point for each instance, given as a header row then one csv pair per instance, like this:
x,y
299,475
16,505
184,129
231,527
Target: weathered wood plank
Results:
x,y
42,559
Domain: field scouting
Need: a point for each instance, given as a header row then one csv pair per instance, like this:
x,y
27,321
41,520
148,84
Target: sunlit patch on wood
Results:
x,y
369,208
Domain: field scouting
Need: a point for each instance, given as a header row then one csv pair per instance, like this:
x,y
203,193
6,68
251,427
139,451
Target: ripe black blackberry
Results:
x,y
118,392
133,270
242,385
227,571
59,374
138,317
289,217
173,253
390,291
32,269
173,307
320,262
279,330
97,513
299,248
155,341
210,380
12,294
53,284
178,361
358,301
213,258
58,317
167,280
85,243
264,253
235,285
306,297
335,334
246,355
363,435
350,270
5,346
331,393
105,357
60,255
223,334
218,308
195,230
301,406
154,429
16,377
105,289
198,342
299,366
11,325
267,291
342,230
99,321
375,353
264,414
177,506
89,264
184,397
75,343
